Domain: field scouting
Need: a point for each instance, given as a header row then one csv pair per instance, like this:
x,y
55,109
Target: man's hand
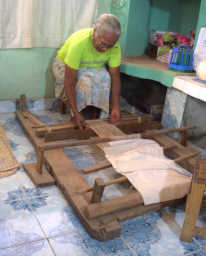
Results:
x,y
79,120
115,116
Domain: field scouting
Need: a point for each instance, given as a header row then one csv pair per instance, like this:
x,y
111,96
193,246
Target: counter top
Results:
x,y
148,68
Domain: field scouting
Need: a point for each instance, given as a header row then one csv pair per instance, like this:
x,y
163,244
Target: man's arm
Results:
x,y
116,87
70,79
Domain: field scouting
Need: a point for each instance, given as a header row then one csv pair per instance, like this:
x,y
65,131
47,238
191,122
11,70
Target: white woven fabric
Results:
x,y
156,177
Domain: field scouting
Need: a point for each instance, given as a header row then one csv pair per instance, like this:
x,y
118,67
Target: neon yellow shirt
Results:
x,y
78,52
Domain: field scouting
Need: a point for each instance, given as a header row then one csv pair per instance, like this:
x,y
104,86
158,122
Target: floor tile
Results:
x,y
150,235
17,223
55,216
69,244
75,244
38,248
7,184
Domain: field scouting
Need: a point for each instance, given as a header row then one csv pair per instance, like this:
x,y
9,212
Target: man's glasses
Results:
x,y
103,45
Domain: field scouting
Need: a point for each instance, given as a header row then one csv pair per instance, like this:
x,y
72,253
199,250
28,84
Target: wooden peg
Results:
x,y
40,157
98,190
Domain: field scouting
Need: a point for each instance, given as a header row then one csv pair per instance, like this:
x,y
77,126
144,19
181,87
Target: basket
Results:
x,y
182,59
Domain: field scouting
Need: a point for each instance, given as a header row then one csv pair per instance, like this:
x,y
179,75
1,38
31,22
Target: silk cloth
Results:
x,y
142,161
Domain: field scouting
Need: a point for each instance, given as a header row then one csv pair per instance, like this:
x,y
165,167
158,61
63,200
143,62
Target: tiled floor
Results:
x,y
39,221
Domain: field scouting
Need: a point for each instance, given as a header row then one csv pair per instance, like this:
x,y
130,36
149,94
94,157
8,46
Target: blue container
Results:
x,y
182,59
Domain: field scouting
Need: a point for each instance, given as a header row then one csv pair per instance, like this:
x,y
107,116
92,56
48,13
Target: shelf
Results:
x,y
148,68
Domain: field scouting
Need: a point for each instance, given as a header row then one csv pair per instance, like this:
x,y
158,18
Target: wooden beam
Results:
x,y
28,115
142,121
110,206
70,133
96,167
184,157
150,134
95,140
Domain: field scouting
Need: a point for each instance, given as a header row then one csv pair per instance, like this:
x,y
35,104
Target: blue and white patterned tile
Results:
x,y
40,104
38,248
7,106
9,184
115,247
69,244
56,217
78,157
75,244
49,117
24,179
17,222
150,235
21,147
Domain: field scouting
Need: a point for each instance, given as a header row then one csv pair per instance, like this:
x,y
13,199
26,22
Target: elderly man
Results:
x,y
83,60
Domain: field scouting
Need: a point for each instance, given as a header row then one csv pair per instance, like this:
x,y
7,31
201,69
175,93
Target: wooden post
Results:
x,y
23,106
194,202
183,139
40,157
62,106
98,190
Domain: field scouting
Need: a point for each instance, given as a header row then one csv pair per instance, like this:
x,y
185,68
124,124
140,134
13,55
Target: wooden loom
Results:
x,y
100,218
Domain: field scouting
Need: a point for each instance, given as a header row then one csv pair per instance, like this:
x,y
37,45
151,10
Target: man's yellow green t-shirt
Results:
x,y
78,52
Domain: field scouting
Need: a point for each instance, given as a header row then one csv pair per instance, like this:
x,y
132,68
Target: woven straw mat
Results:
x,y
8,163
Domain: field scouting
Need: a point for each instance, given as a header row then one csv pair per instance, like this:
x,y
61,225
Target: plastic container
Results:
x,y
182,59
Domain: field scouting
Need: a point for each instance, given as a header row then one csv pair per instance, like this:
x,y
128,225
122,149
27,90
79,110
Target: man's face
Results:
x,y
104,42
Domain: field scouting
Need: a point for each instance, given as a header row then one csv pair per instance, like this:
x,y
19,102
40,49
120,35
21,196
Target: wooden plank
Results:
x,y
66,174
39,179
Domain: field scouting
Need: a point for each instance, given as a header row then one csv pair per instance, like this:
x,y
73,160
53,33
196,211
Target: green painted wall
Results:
x,y
177,16
138,24
26,71
139,17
